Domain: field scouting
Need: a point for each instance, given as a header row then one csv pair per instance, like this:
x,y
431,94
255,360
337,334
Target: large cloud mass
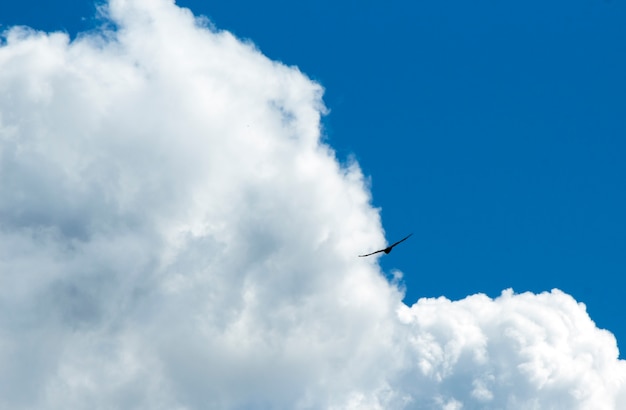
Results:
x,y
175,235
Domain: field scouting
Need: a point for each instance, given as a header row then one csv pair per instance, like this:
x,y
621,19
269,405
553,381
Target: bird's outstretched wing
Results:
x,y
401,240
362,256
389,248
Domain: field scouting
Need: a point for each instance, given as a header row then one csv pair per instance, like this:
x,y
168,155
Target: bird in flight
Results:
x,y
388,248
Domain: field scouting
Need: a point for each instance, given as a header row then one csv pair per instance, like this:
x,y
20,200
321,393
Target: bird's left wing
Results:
x,y
369,254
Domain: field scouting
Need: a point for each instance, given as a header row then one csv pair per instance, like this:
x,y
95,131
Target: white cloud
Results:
x,y
515,351
174,235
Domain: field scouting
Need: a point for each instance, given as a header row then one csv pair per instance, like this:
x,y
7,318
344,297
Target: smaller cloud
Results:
x,y
516,351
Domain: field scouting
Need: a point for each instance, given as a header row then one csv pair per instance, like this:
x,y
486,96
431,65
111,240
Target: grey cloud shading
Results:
x,y
174,234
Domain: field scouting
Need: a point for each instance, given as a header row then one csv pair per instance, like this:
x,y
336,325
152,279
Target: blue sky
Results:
x,y
172,229
496,131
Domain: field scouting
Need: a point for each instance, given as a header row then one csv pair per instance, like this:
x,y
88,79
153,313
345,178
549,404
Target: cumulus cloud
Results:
x,y
175,234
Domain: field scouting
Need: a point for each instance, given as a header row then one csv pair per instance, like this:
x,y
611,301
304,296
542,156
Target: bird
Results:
x,y
388,248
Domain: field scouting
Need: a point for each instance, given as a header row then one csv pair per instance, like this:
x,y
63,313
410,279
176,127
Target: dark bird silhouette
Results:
x,y
388,248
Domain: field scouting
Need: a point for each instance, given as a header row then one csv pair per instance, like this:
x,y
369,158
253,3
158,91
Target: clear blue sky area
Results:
x,y
495,131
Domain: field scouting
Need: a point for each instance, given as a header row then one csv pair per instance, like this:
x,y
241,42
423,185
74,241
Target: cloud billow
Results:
x,y
175,235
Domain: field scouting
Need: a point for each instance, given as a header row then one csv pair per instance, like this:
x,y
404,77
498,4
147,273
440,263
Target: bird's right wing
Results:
x,y
402,240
